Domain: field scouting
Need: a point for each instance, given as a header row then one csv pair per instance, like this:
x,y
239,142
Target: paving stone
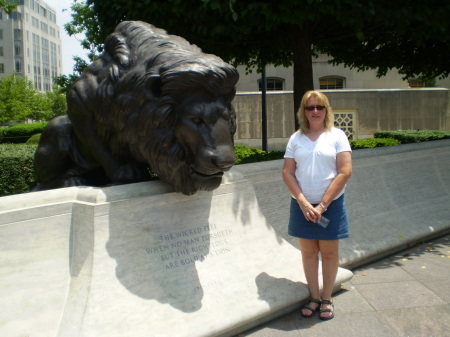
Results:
x,y
419,322
376,273
367,324
397,295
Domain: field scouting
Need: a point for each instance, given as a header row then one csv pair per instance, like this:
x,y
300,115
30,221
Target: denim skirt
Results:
x,y
337,228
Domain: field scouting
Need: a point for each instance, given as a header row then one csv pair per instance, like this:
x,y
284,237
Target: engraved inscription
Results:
x,y
190,245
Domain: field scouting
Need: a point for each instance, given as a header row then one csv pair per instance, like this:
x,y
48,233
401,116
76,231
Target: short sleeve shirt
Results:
x,y
316,165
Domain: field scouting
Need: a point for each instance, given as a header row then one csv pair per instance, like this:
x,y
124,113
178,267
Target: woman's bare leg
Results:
x,y
310,259
330,265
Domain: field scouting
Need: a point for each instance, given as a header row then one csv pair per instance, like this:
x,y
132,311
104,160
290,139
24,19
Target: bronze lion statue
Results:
x,y
152,100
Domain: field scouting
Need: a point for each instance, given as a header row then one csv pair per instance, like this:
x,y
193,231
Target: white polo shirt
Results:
x,y
316,165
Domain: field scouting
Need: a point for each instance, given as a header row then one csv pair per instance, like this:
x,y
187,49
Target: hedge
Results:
x,y
16,168
373,142
414,136
20,133
245,155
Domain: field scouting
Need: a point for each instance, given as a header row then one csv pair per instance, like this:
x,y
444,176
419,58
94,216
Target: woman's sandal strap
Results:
x,y
330,310
327,302
314,301
307,307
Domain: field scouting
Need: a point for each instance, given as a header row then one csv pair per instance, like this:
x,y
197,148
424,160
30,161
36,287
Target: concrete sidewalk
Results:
x,y
406,294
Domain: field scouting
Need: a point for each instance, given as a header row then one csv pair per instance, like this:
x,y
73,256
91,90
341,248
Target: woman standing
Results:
x,y
317,166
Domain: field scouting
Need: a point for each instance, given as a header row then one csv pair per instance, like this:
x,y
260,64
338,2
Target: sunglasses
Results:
x,y
318,107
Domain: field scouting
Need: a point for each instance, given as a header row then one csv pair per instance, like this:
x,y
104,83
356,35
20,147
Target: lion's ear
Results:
x,y
153,86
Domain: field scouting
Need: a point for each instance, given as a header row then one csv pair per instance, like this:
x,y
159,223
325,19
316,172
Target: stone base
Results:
x,y
139,260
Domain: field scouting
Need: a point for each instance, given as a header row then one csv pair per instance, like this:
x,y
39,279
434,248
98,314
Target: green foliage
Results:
x,y
34,140
20,133
16,169
245,154
85,20
414,136
57,101
373,142
64,82
19,101
8,6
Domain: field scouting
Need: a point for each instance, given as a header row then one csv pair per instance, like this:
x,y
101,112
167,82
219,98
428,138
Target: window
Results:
x,y
16,16
51,16
1,34
44,27
17,34
1,51
332,82
272,83
34,22
17,49
2,68
416,82
18,66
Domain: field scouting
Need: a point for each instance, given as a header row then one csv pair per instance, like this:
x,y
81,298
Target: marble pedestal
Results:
x,y
139,260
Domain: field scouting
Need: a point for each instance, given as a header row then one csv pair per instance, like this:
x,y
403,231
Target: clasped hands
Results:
x,y
310,212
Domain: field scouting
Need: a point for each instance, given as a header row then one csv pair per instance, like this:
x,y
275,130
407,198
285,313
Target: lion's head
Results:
x,y
171,107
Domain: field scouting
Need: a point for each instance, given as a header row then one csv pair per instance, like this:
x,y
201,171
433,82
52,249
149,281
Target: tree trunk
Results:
x,y
303,74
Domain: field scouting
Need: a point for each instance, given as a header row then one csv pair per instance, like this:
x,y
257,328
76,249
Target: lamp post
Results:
x,y
264,109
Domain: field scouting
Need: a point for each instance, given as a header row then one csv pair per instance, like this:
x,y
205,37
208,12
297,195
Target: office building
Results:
x,y
30,44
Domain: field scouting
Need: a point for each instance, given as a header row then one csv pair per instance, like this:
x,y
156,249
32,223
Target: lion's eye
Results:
x,y
198,120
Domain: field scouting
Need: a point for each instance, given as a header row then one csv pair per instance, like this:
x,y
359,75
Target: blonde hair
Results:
x,y
329,118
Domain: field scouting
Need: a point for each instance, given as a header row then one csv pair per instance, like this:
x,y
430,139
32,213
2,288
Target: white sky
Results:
x,y
70,46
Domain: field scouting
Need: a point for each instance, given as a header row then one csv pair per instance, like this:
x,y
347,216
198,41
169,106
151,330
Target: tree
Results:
x,y
19,101
83,22
410,36
64,82
57,102
7,6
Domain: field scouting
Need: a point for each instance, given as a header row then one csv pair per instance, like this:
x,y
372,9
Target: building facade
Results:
x,y
327,76
30,44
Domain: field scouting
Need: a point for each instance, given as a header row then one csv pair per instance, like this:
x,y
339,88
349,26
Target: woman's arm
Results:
x,y
344,168
292,185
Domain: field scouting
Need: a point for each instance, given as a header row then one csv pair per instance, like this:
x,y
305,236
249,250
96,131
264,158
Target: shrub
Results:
x,y
373,142
245,154
20,133
16,168
34,139
414,136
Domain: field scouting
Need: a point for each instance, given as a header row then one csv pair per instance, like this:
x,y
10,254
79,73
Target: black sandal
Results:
x,y
307,307
330,309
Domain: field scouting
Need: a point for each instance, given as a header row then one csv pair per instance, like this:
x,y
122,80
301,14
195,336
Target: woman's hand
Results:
x,y
311,213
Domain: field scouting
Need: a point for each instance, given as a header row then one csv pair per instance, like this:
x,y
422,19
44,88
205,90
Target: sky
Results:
x,y
70,46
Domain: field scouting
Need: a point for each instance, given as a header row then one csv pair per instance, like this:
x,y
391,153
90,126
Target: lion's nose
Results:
x,y
224,158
